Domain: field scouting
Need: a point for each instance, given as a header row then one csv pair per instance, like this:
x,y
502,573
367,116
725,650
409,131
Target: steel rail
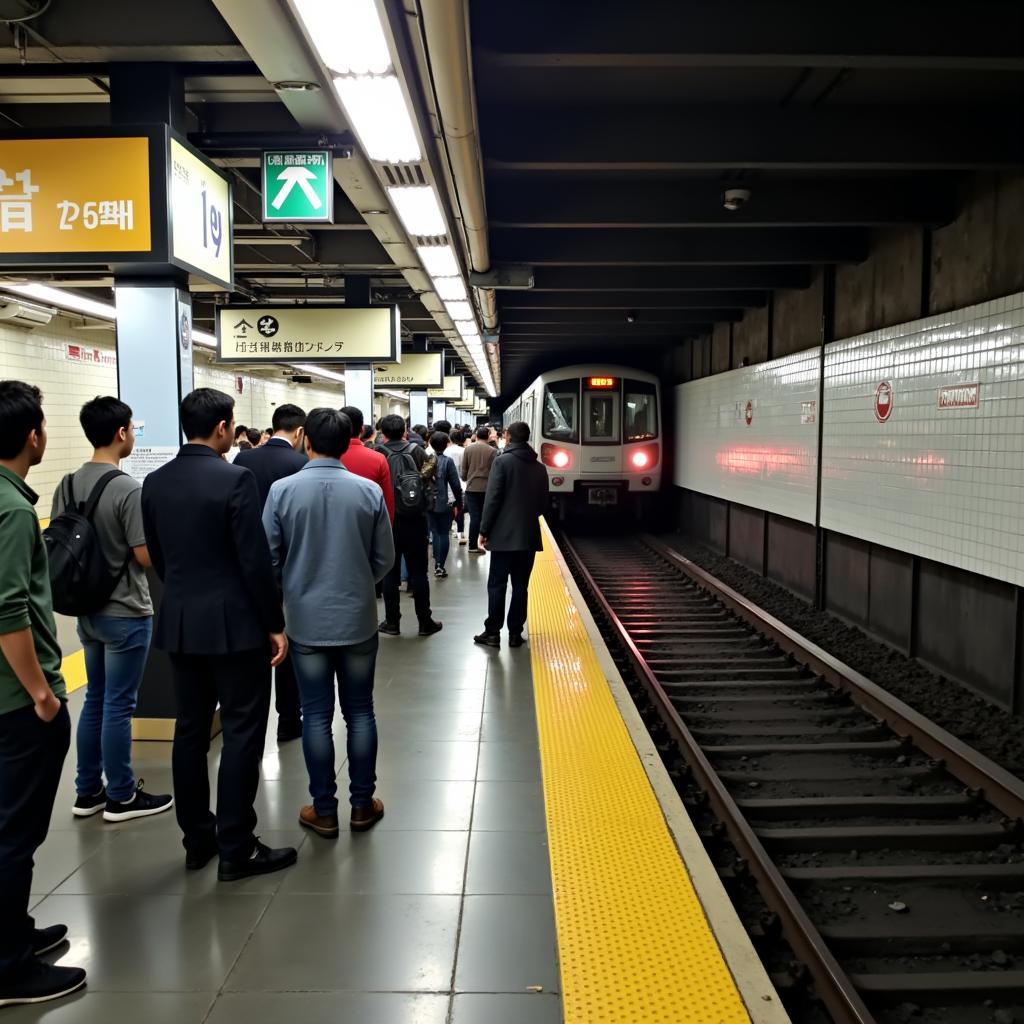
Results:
x,y
832,984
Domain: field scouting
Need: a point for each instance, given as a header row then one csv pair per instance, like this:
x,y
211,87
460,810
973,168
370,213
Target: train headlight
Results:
x,y
641,459
555,457
560,459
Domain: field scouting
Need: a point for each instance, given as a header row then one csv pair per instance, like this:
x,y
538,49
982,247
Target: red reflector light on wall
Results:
x,y
552,455
602,382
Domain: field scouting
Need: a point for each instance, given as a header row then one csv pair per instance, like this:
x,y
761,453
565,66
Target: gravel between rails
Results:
x,y
994,732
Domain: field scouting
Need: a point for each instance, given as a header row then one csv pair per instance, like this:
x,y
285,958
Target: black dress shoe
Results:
x,y
289,731
515,640
197,859
263,861
46,939
488,640
388,630
430,627
41,983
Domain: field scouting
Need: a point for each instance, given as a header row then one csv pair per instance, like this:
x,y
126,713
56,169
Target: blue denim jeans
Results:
x,y
115,656
440,535
316,669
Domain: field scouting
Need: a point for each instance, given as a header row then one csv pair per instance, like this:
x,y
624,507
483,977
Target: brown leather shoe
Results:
x,y
364,818
325,825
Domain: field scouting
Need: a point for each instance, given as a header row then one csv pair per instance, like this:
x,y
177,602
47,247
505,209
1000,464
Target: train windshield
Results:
x,y
601,417
561,411
640,419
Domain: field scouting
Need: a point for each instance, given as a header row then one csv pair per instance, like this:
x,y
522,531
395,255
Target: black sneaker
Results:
x,y
42,983
44,940
388,630
87,806
441,573
488,639
263,861
515,640
197,858
141,805
438,571
430,627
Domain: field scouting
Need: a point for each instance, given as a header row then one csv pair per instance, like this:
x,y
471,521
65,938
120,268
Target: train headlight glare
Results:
x,y
560,459
641,459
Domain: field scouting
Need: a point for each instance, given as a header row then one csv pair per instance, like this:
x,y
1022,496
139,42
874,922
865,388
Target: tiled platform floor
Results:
x,y
443,913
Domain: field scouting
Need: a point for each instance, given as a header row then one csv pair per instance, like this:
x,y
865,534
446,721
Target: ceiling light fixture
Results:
x,y
438,260
460,311
319,371
295,86
347,34
378,113
418,209
450,289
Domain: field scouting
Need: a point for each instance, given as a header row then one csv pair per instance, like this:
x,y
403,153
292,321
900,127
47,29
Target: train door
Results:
x,y
602,436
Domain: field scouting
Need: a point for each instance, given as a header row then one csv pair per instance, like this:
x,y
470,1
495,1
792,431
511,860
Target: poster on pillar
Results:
x,y
314,334
416,370
450,390
184,319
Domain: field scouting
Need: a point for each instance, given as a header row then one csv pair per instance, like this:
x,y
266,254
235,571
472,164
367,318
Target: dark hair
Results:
x,y
457,436
444,426
21,412
239,431
288,417
519,432
392,427
355,417
269,430
253,435
366,433
439,441
329,432
420,429
102,418
483,433
203,409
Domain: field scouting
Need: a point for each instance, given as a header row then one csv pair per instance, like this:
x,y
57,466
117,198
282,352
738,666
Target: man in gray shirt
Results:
x,y
116,638
330,541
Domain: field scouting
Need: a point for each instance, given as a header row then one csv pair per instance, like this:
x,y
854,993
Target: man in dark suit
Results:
x,y
517,494
280,457
221,623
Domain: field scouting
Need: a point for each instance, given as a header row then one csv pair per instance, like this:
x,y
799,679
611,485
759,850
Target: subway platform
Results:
x,y
534,864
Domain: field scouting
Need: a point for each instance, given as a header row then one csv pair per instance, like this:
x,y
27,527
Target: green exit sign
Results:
x,y
298,186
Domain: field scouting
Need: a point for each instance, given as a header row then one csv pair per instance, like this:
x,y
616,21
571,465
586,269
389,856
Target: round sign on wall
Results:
x,y
748,413
883,401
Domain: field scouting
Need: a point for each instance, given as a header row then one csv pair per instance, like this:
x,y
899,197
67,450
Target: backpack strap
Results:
x,y
97,492
67,486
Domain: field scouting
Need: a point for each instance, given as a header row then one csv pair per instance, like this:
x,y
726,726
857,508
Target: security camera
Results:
x,y
735,198
632,316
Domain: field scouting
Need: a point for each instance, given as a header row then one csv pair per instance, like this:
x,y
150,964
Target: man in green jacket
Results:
x,y
35,728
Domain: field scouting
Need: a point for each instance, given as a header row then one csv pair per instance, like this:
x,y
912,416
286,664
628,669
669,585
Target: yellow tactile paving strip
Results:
x,y
634,944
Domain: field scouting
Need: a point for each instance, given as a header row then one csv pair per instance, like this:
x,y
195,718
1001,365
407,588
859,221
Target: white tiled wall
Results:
x,y
40,357
770,463
946,484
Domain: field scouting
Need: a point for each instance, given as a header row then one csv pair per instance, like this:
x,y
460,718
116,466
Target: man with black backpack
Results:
x,y
405,460
98,561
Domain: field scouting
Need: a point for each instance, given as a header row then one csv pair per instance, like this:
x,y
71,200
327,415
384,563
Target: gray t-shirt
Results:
x,y
118,524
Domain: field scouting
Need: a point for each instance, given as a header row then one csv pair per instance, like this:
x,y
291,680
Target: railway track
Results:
x,y
890,852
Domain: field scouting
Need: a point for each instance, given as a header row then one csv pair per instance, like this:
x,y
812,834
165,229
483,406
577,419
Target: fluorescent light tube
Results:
x,y
460,311
378,113
319,371
64,300
203,338
438,260
347,34
450,289
419,209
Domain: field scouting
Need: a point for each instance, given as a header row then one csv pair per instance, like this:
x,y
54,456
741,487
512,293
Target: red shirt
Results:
x,y
367,463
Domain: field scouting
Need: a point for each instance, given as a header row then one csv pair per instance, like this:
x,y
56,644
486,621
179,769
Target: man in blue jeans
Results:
x,y
115,639
330,541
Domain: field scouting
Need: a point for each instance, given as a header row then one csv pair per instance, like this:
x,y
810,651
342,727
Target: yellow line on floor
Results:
x,y
633,941
73,670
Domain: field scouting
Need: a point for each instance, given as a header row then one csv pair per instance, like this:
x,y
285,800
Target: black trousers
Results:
x,y
240,683
475,504
411,543
505,565
32,755
286,693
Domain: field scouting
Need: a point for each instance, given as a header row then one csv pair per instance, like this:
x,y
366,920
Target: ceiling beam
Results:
x,y
665,301
517,320
699,203
911,33
696,246
671,279
518,333
711,137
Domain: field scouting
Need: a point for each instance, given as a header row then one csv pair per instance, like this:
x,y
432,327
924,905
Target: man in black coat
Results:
x,y
517,495
281,456
221,623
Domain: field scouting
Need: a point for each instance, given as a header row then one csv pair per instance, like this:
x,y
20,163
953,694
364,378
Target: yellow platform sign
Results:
x,y
74,195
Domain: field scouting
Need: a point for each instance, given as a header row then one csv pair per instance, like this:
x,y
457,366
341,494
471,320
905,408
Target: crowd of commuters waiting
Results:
x,y
270,546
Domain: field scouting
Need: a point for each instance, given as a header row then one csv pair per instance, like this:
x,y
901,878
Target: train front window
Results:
x,y
601,417
561,411
640,415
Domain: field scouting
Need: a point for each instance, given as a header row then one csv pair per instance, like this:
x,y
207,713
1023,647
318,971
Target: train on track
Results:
x,y
597,429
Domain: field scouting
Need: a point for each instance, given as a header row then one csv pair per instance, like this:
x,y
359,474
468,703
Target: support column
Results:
x,y
418,412
359,376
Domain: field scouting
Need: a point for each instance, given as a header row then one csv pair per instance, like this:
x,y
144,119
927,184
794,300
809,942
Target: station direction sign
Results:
x,y
416,370
298,186
450,390
468,400
139,199
312,334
